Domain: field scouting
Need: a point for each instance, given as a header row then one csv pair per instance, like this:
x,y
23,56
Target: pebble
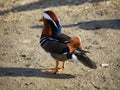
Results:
x,y
26,57
95,42
23,55
95,86
27,65
104,65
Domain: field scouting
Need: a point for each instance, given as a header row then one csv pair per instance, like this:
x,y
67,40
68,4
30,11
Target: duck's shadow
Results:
x,y
91,25
97,24
30,72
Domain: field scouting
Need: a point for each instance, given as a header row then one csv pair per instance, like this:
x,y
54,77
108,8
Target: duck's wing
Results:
x,y
65,37
55,47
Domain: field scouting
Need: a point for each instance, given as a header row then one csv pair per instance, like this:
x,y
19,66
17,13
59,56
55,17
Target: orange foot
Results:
x,y
55,70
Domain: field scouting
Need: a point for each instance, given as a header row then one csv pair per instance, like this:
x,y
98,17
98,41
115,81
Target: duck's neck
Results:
x,y
47,30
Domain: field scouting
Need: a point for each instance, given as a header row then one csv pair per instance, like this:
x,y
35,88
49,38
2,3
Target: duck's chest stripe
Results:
x,y
44,39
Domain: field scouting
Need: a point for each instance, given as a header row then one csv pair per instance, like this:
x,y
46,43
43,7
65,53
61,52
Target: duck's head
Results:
x,y
51,23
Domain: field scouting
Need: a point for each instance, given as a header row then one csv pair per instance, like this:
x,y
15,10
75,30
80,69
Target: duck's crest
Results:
x,y
53,21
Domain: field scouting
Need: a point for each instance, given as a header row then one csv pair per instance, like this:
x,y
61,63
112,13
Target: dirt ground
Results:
x,y
23,62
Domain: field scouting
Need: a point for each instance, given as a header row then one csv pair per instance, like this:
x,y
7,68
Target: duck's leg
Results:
x,y
54,70
57,68
63,66
60,68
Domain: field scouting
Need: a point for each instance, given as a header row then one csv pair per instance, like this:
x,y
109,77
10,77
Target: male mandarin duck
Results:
x,y
60,46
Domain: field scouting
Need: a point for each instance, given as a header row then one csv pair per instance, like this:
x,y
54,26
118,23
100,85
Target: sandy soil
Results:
x,y
23,61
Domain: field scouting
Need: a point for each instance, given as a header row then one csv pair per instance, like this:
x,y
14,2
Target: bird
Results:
x,y
61,46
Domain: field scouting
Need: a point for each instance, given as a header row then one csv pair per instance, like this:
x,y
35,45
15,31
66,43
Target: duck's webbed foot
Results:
x,y
57,69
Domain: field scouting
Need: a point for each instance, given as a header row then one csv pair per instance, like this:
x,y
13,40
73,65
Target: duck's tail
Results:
x,y
84,59
77,52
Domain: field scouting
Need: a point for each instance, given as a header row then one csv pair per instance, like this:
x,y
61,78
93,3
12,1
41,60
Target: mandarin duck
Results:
x,y
60,46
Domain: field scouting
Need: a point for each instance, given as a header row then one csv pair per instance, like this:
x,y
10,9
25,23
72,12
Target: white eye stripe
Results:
x,y
45,15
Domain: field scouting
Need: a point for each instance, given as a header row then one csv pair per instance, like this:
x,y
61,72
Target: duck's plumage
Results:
x,y
56,46
59,45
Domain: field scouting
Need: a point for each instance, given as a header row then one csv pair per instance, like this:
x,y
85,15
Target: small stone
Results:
x,y
28,58
104,65
95,42
26,83
23,55
27,65
95,86
37,35
17,62
76,23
